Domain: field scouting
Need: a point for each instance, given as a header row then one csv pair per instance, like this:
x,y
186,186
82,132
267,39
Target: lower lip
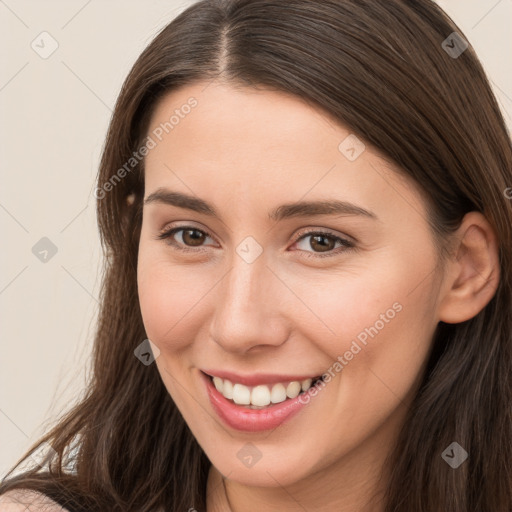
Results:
x,y
251,420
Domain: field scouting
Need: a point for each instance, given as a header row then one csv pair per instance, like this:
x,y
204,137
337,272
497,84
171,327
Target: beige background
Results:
x,y
54,114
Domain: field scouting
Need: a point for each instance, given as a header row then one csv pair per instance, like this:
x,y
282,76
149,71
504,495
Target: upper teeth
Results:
x,y
261,395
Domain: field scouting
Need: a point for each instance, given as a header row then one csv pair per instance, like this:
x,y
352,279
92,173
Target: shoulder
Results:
x,y
22,500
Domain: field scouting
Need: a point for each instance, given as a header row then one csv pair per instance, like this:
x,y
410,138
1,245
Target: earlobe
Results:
x,y
473,273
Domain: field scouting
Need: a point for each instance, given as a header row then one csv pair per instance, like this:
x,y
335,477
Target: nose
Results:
x,y
248,308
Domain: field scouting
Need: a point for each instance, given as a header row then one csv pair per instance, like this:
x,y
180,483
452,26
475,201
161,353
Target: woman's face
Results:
x,y
262,285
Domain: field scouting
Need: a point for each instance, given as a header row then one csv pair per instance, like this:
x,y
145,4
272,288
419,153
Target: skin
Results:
x,y
247,151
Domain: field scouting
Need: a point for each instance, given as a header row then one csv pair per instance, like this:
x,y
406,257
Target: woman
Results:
x,y
305,206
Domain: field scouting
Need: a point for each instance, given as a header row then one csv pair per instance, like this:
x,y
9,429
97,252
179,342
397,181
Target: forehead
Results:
x,y
259,145
242,120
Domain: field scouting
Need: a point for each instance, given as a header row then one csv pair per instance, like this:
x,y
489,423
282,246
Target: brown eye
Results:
x,y
319,242
322,243
193,237
190,237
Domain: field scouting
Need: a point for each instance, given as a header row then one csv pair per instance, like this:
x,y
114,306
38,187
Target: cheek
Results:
x,y
169,296
364,303
376,321
383,328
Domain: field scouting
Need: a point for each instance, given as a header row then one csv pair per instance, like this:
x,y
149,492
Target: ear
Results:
x,y
473,273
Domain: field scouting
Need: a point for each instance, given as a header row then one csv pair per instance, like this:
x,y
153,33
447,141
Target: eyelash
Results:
x,y
347,245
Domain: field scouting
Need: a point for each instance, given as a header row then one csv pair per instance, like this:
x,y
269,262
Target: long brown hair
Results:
x,y
382,69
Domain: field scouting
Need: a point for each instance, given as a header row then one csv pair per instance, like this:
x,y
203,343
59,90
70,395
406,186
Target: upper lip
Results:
x,y
257,378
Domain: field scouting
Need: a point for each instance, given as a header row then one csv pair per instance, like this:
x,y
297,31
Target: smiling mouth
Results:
x,y
261,396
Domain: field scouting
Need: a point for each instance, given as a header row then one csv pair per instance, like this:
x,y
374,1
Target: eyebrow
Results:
x,y
285,211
